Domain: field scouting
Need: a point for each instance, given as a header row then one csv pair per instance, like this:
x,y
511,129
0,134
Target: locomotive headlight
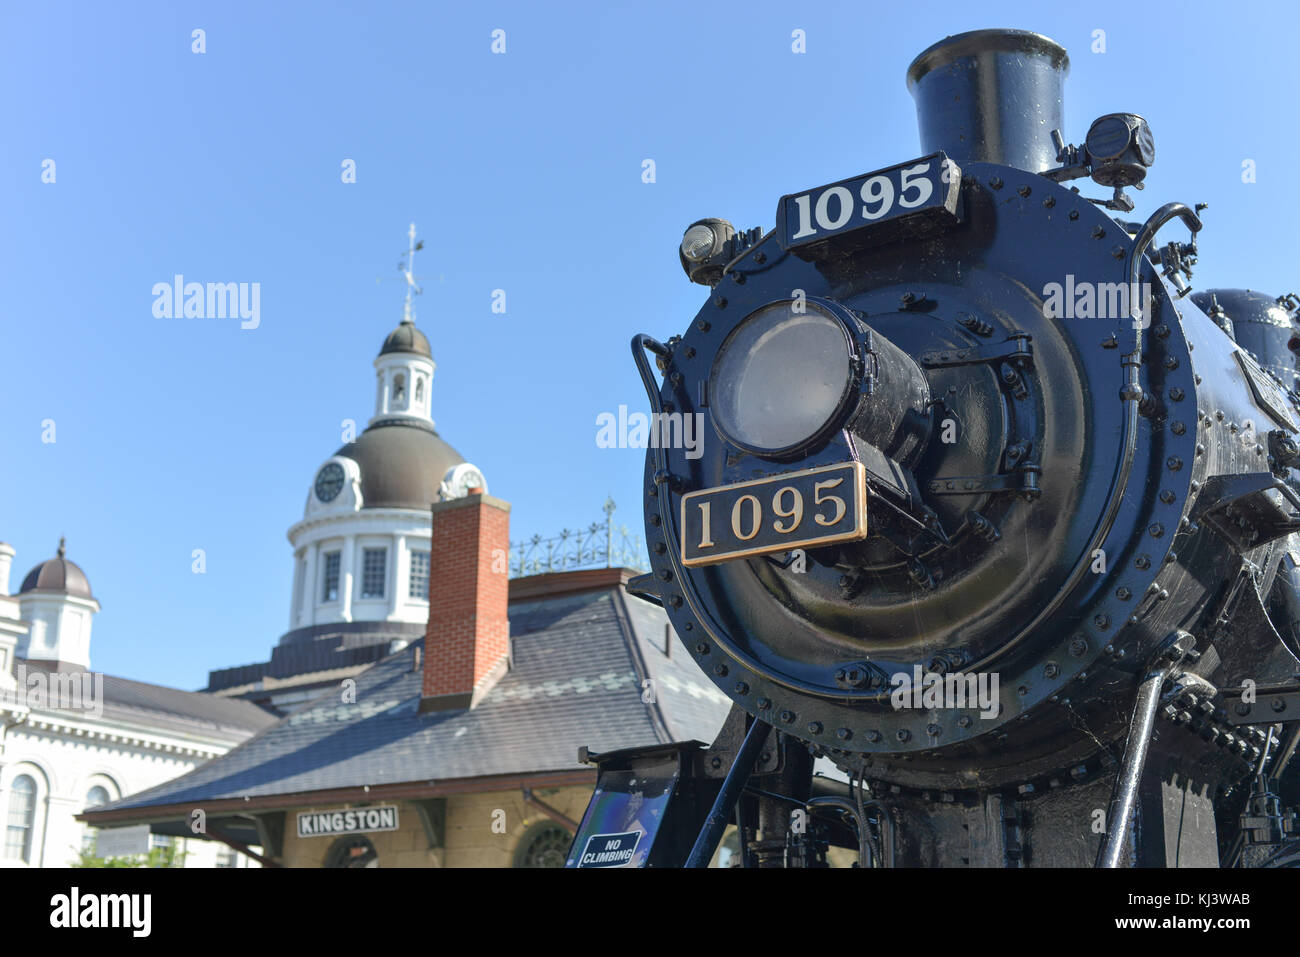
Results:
x,y
781,378
698,243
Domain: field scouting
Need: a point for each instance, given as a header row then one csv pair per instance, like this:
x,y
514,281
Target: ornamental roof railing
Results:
x,y
599,545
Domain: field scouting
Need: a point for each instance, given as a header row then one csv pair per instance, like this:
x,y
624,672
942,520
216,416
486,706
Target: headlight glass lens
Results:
x,y
780,377
697,243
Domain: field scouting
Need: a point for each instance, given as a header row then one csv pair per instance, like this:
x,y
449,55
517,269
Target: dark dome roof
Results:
x,y
57,574
402,463
406,338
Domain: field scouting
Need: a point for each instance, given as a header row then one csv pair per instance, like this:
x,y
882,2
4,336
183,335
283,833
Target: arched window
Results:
x,y
21,820
94,798
419,391
543,845
352,852
399,391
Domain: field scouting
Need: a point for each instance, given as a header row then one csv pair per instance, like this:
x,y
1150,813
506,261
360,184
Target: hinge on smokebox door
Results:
x,y
1016,349
1020,479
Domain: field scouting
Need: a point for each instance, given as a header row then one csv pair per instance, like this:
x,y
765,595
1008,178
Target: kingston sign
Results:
x,y
358,820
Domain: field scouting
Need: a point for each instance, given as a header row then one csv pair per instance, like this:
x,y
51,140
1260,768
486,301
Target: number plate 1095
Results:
x,y
814,507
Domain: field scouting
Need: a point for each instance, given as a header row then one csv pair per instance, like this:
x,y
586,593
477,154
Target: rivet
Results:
x,y
1143,562
720,302
675,601
1174,463
1156,529
704,325
720,670
1102,621
1024,190
873,736
904,735
742,688
1098,232
1123,593
660,548
701,648
814,727
1078,646
933,730
763,704
787,716
1050,670
1178,428
996,182
964,721
1074,214
1049,202
1177,394
843,734
1167,496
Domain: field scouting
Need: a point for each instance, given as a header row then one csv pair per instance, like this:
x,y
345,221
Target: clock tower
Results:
x,y
362,550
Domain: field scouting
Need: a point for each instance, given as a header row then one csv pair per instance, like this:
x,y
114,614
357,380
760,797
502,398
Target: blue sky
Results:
x,y
523,173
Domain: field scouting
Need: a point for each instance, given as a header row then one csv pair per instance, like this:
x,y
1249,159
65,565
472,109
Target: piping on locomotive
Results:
x,y
964,420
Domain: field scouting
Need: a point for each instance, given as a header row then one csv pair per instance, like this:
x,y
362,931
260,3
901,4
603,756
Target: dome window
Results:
x,y
374,572
331,591
419,575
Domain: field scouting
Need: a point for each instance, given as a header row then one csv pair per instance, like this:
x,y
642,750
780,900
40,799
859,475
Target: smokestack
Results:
x,y
991,96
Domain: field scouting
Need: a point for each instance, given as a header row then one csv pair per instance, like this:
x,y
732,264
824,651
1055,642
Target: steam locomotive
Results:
x,y
994,519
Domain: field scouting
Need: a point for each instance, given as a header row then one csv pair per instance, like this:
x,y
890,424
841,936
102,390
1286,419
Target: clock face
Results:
x,y
329,482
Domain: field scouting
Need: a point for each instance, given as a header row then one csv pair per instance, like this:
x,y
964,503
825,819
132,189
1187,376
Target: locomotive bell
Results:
x,y
991,96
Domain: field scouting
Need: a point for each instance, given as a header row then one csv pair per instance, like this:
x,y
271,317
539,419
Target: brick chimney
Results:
x,y
467,640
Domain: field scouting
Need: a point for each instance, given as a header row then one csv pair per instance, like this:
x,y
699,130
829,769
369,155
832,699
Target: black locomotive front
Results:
x,y
984,495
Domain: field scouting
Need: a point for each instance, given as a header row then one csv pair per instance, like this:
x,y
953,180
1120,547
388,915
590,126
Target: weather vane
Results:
x,y
406,267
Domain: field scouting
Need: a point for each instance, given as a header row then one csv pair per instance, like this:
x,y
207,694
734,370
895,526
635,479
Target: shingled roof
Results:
x,y
580,666
139,704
